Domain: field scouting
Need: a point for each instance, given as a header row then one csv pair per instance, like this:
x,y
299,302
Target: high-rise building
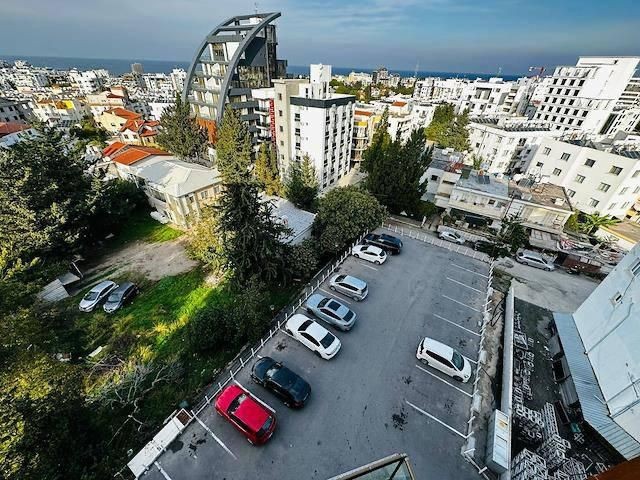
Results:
x,y
311,120
580,98
237,56
136,68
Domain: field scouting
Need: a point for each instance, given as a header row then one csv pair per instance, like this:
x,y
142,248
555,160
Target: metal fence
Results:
x,y
430,239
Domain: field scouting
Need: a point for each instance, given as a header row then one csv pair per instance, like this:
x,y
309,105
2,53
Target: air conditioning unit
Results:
x,y
558,201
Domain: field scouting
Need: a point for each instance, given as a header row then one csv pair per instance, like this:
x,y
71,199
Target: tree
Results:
x,y
513,234
233,148
266,170
204,239
345,213
477,161
590,223
449,130
394,170
181,134
44,197
303,260
112,204
302,184
90,132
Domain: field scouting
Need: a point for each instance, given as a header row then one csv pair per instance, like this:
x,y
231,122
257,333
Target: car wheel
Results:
x,y
356,255
318,353
549,269
455,377
356,299
287,404
333,289
288,331
424,361
378,262
309,311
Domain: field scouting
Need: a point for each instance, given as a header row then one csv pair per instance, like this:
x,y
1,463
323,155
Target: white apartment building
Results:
x,y
14,110
630,97
597,177
178,77
484,97
581,97
311,120
264,99
439,89
90,81
502,142
599,358
622,120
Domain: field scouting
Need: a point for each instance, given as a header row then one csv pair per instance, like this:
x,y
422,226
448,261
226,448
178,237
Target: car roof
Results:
x,y
437,347
356,282
315,299
102,285
371,248
316,330
250,412
123,287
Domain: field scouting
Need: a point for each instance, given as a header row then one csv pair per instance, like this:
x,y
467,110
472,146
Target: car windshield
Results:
x,y
327,340
236,402
305,325
349,315
114,297
458,361
92,295
265,428
323,302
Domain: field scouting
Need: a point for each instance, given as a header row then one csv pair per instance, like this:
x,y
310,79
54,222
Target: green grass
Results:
x,y
141,227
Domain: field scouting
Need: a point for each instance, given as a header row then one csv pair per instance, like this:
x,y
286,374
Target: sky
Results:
x,y
440,35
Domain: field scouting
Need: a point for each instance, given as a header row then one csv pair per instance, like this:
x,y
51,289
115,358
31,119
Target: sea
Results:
x,y
118,67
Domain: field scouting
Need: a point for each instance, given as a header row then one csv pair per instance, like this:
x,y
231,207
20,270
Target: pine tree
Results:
x,y
181,134
233,148
302,184
266,170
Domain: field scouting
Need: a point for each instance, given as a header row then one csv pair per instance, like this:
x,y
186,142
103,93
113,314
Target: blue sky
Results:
x,y
442,35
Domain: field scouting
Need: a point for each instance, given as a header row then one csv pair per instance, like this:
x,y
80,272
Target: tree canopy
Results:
x,y
301,187
449,130
181,134
394,170
266,170
233,148
344,213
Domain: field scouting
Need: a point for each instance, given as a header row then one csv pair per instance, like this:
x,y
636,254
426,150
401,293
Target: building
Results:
x,y
178,77
438,89
311,120
443,173
63,113
380,76
177,190
484,97
138,131
365,120
237,56
599,177
580,98
90,81
14,110
13,132
115,97
501,143
297,220
630,97
362,77
114,119
622,120
597,359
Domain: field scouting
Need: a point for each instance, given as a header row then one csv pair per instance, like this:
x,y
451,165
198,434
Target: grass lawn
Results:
x,y
141,227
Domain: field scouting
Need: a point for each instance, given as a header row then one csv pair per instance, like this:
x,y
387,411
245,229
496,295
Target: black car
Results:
x,y
388,243
121,296
288,385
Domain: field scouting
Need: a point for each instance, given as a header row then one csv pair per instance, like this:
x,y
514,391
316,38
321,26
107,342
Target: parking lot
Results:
x,y
374,398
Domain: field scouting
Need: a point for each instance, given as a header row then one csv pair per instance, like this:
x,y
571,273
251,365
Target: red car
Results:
x,y
246,414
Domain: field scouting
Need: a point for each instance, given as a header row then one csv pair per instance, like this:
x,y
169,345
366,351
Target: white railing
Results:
x,y
242,359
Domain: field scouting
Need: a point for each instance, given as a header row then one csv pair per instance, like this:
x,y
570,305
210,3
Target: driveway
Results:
x,y
557,291
373,399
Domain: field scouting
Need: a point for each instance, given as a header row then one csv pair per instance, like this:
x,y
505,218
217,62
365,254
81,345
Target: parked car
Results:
x,y
331,311
388,243
313,336
370,253
451,237
120,296
444,358
246,414
350,286
284,383
96,295
534,259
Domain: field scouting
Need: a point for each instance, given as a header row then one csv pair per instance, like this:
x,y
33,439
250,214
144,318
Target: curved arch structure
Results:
x,y
236,56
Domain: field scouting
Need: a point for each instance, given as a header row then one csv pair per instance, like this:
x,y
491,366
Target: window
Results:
x,y
612,206
279,113
636,190
635,268
546,151
625,205
624,190
636,173
279,96
539,164
604,187
281,129
565,156
590,162
579,178
557,171
615,170
434,178
571,193
617,298
593,202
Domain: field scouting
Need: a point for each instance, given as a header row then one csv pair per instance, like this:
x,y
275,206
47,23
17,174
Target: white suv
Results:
x,y
534,259
444,358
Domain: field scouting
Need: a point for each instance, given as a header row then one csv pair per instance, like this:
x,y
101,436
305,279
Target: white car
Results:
x,y
452,237
96,295
313,336
534,259
370,253
444,358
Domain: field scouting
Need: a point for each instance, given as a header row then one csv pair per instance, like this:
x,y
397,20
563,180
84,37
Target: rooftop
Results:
x,y
298,220
7,128
176,177
629,231
130,154
511,126
123,113
604,147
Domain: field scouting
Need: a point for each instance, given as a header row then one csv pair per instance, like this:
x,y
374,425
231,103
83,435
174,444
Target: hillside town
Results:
x,y
170,241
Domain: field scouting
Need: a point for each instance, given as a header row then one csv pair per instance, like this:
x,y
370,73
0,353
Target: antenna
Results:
x,y
415,74
255,5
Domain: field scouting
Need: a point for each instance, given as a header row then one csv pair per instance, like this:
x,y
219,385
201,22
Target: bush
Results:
x,y
208,329
303,259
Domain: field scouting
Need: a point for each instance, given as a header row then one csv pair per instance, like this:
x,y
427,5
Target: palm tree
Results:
x,y
589,223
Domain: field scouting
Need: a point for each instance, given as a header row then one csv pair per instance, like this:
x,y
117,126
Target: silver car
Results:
x,y
331,311
95,296
350,286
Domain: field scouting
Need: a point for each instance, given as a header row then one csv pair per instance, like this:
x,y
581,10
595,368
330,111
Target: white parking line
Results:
x,y
369,266
443,381
464,285
334,294
470,271
456,324
436,419
460,303
472,361
220,442
164,474
255,397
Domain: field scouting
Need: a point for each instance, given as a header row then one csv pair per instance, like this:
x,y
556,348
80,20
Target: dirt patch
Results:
x,y
154,261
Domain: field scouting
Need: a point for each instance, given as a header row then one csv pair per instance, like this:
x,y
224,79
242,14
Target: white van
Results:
x,y
444,358
534,259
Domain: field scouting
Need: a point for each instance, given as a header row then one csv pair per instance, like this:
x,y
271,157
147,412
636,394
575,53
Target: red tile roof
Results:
x,y
363,112
398,104
124,113
7,128
113,148
130,154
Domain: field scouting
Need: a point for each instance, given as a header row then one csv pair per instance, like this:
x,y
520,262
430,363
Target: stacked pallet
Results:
x,y
575,469
529,423
526,465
